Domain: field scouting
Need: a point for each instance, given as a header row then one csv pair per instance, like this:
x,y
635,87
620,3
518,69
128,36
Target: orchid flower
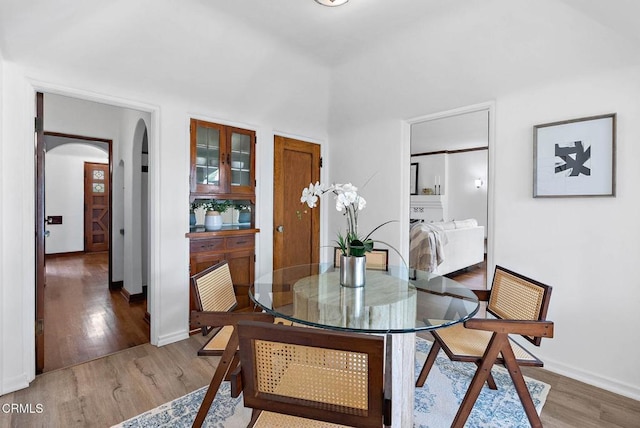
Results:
x,y
309,196
349,203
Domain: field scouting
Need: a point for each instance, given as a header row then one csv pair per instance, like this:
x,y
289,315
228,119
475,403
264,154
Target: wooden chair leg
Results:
x,y
232,366
426,368
490,381
521,386
228,356
255,414
497,342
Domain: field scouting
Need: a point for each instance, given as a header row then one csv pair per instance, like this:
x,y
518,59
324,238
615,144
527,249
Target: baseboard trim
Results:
x,y
67,254
116,285
173,337
133,298
13,384
611,385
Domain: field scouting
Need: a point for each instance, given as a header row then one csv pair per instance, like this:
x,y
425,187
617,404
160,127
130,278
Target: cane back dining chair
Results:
x,y
213,291
519,305
215,301
377,259
303,377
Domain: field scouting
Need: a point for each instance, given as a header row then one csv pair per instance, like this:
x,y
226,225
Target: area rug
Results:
x,y
435,404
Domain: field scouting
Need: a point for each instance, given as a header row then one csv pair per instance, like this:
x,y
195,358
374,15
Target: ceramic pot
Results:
x,y
212,220
244,216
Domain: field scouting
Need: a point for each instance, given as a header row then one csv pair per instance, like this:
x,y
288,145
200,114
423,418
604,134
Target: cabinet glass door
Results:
x,y
207,156
241,147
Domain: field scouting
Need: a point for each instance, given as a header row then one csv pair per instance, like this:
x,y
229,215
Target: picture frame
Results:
x,y
413,179
575,158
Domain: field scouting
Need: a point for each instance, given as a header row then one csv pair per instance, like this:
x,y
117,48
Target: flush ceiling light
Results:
x,y
331,2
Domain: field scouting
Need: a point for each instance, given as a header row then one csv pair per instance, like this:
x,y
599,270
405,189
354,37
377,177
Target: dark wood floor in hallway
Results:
x,y
84,320
474,277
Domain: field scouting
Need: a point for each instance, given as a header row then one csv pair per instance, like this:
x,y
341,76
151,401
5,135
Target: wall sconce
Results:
x,y
478,183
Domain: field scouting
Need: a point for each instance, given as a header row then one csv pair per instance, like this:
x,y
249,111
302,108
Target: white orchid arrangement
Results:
x,y
349,203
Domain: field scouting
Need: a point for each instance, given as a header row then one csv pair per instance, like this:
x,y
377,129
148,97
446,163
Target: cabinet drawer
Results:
x,y
202,245
237,242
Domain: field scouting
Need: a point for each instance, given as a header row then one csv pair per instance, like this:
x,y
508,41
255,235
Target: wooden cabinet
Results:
x,y
222,161
237,247
223,167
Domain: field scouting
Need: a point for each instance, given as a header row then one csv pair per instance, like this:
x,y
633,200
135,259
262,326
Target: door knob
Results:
x,y
280,229
47,233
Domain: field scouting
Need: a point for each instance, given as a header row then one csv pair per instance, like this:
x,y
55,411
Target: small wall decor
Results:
x,y
575,157
413,178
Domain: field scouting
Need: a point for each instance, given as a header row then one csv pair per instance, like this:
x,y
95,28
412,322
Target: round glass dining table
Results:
x,y
397,302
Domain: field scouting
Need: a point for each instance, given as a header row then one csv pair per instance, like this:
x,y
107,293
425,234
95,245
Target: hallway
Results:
x,y
85,320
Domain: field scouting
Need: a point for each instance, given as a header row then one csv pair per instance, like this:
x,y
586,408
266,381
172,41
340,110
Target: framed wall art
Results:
x,y
413,179
575,157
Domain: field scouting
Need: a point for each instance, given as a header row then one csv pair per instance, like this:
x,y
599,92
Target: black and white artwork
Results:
x,y
575,157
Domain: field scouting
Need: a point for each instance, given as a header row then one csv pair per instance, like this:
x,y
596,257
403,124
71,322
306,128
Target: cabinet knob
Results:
x,y
280,229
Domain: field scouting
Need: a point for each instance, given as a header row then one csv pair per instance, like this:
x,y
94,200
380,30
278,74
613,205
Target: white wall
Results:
x,y
370,155
587,248
432,168
64,194
17,276
566,66
457,173
132,124
464,199
259,87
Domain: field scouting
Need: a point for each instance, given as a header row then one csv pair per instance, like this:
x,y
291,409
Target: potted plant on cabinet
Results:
x,y
244,213
214,208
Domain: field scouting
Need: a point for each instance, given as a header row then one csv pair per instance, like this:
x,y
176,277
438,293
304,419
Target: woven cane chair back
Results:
x,y
339,379
214,289
516,297
377,259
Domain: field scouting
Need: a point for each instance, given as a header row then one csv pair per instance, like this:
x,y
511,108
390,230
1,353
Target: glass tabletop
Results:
x,y
393,301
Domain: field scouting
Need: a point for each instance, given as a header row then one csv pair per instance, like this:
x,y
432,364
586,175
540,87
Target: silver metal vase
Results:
x,y
352,270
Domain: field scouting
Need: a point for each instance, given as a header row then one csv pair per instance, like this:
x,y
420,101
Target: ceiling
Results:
x,y
333,34
330,36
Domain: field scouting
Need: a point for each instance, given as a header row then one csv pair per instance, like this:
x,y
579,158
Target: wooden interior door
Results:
x,y
296,237
96,207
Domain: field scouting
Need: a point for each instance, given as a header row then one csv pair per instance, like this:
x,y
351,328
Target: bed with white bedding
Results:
x,y
445,247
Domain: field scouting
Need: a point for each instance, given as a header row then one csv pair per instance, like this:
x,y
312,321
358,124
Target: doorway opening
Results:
x,y
451,183
87,308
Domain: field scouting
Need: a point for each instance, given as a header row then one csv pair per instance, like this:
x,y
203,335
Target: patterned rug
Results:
x,y
435,404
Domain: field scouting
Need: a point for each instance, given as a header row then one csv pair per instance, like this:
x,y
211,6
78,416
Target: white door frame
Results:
x,y
490,107
153,289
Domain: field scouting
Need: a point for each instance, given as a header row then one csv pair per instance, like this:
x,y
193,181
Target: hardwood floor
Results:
x,y
108,390
473,277
83,318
